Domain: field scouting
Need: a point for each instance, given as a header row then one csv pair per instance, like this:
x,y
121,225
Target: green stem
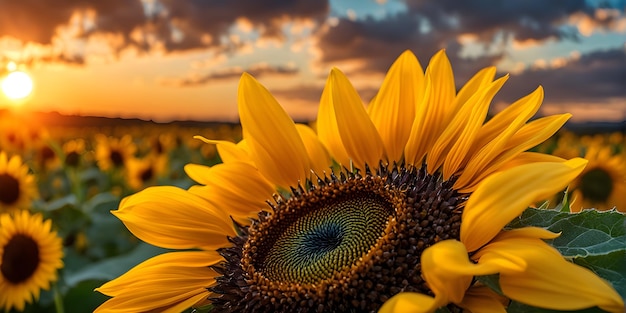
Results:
x,y
58,299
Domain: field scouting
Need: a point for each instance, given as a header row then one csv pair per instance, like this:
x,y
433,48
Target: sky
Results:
x,y
182,59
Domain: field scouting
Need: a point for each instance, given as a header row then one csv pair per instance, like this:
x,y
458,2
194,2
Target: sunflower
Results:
x,y
145,171
31,255
602,185
73,151
17,186
114,153
396,207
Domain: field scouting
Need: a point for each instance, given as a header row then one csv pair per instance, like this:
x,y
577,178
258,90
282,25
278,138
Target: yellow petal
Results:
x,y
168,282
171,217
483,299
435,110
410,302
271,135
504,124
393,109
448,271
237,188
549,281
318,155
229,151
453,144
474,89
527,137
505,195
348,128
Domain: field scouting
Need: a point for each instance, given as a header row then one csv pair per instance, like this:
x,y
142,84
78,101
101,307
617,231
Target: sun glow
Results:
x,y
17,85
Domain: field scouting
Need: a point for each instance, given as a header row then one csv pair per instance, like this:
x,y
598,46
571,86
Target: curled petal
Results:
x,y
229,151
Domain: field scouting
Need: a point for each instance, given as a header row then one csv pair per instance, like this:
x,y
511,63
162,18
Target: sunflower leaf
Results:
x,y
588,233
610,267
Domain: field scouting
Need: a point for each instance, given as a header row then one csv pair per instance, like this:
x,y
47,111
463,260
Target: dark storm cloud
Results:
x,y
173,24
593,77
257,71
430,25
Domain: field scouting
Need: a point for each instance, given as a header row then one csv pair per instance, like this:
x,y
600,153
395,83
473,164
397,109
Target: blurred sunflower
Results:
x,y
144,171
17,187
380,209
602,185
31,253
113,152
73,151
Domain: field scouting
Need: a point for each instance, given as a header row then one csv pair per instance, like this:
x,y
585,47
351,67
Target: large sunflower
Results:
x,y
17,186
395,207
31,253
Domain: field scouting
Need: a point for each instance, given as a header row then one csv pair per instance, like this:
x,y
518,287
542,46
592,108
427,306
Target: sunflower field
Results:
x,y
73,176
392,208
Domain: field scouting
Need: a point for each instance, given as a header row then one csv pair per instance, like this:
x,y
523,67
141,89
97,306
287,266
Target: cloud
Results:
x,y
165,25
232,73
598,76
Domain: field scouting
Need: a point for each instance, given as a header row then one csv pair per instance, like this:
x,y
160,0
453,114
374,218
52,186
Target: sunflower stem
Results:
x,y
58,299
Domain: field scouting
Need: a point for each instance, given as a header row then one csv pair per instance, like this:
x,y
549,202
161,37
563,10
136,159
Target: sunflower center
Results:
x,y
117,158
345,244
596,185
72,159
319,239
19,259
10,187
146,174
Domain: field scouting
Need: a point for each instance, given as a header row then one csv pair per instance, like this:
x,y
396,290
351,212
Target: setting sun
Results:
x,y
17,85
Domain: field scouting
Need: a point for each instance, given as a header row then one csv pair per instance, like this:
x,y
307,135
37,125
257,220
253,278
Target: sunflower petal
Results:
x,y
483,299
229,151
410,302
271,135
238,188
171,217
453,144
549,281
503,196
393,109
347,125
527,137
318,155
176,280
435,110
448,270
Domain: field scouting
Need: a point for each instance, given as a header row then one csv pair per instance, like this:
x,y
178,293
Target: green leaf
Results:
x,y
611,267
113,267
491,281
588,233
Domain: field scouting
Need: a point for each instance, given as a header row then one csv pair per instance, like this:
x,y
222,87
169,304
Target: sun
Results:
x,y
17,85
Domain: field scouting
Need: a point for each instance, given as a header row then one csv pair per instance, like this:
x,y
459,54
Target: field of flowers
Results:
x,y
74,176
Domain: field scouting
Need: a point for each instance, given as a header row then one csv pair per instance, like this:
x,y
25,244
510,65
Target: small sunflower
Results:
x,y
17,186
114,153
145,171
396,207
31,253
602,185
73,151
